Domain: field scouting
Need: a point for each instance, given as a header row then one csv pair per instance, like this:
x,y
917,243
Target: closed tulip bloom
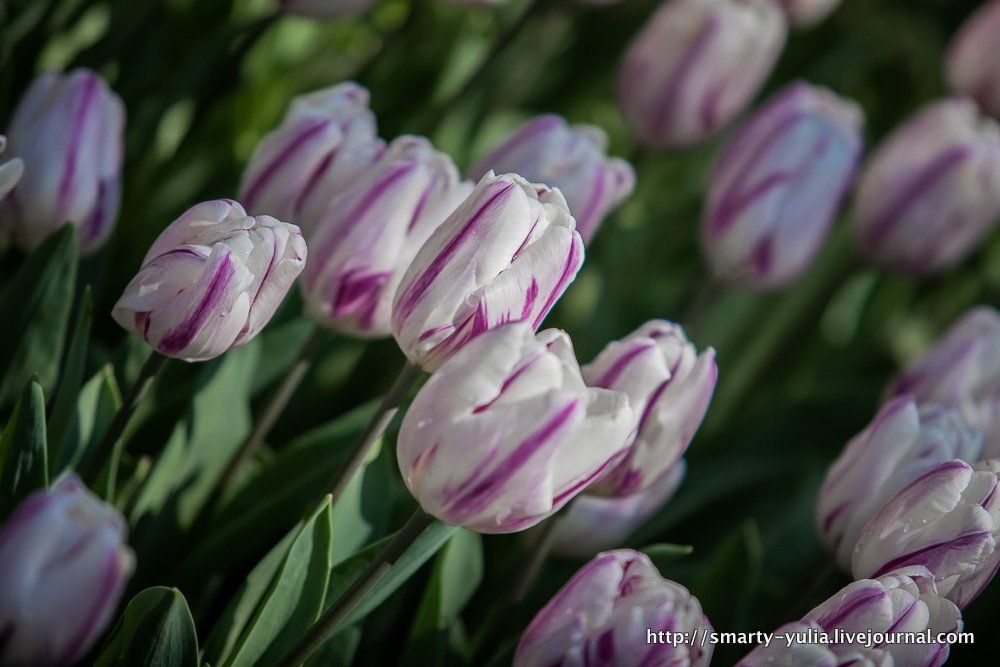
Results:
x,y
669,385
805,13
325,9
67,130
596,523
368,236
211,281
505,432
572,158
962,370
946,520
778,185
902,442
696,65
10,171
931,192
900,602
325,141
506,254
603,614
65,564
973,65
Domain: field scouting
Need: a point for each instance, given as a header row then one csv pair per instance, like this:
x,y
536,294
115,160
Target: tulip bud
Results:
x,y
594,523
65,564
696,65
211,281
931,192
505,432
368,236
962,371
506,254
972,67
946,520
902,443
10,171
806,13
68,130
609,614
325,9
572,158
669,386
778,185
325,141
905,601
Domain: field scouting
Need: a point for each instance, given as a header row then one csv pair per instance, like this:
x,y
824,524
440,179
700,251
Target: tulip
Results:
x,y
696,65
572,158
611,613
325,9
211,281
505,254
962,370
68,130
325,141
931,192
595,523
902,602
902,443
806,13
778,185
370,233
972,66
505,432
65,564
669,386
946,520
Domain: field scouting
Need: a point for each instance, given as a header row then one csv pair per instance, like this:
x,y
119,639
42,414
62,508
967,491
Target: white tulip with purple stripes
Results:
x,y
506,254
778,185
947,520
65,564
67,130
931,191
972,66
10,171
368,236
696,65
572,158
325,9
326,139
902,442
806,13
211,281
669,385
905,601
505,432
606,613
962,370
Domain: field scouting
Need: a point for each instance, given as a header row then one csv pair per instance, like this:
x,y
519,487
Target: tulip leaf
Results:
x,y
663,554
23,450
156,630
458,571
728,582
96,404
64,403
36,306
292,600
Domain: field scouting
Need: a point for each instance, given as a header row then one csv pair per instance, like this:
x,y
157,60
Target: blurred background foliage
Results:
x,y
800,371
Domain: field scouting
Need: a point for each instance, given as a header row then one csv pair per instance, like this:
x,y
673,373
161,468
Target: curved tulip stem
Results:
x,y
326,625
379,422
133,398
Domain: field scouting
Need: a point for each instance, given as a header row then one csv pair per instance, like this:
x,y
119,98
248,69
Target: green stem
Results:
x,y
326,625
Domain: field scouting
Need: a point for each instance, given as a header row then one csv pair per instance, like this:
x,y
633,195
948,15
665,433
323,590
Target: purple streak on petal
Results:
x,y
589,216
312,128
358,292
832,516
573,260
508,381
692,56
872,594
911,605
111,584
526,238
528,132
598,472
932,555
529,299
263,281
174,341
430,332
314,179
621,363
88,96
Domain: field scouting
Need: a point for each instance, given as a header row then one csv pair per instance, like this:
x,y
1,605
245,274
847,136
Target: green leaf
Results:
x,y
664,554
64,404
339,651
156,630
293,601
96,404
23,450
362,510
36,307
727,584
458,571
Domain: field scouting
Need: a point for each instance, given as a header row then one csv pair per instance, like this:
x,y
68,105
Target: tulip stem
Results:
x,y
326,625
133,398
376,426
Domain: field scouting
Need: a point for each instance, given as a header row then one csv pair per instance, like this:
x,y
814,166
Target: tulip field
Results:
x,y
542,333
